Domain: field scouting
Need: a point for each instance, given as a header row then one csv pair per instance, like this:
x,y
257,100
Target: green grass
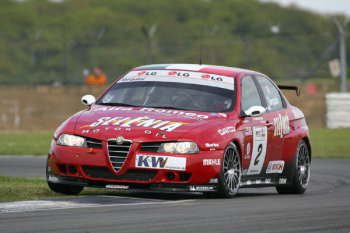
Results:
x,y
20,188
326,143
330,143
25,143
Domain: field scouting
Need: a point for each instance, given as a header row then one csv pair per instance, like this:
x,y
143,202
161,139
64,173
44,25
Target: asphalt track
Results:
x,y
325,207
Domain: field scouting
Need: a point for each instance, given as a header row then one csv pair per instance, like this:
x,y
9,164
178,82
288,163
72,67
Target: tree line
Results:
x,y
44,41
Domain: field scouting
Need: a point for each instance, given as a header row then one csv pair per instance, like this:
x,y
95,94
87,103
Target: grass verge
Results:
x,y
330,143
25,143
326,143
20,188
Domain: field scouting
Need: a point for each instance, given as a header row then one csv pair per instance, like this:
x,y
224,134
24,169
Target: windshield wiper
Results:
x,y
168,107
118,104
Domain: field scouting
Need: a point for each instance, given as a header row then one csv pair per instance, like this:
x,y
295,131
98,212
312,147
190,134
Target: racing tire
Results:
x,y
231,171
65,188
301,171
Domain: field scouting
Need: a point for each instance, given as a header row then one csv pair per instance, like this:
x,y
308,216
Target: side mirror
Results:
x,y
255,111
88,100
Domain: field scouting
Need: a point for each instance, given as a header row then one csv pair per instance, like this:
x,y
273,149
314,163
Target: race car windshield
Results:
x,y
172,95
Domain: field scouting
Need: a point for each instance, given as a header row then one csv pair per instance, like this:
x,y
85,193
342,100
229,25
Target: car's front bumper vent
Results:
x,y
118,152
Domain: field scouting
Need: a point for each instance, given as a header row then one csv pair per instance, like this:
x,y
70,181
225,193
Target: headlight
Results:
x,y
71,140
179,147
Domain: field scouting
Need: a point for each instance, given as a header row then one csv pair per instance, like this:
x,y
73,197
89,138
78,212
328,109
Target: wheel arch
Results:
x,y
239,147
308,144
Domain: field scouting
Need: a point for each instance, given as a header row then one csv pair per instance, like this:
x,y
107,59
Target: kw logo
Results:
x,y
151,161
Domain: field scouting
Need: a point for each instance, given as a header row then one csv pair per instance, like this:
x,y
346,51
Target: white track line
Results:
x,y
29,206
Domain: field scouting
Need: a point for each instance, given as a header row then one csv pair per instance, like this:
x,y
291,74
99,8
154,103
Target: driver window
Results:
x,y
272,95
250,94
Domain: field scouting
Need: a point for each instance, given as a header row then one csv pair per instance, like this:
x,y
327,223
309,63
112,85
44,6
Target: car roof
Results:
x,y
218,70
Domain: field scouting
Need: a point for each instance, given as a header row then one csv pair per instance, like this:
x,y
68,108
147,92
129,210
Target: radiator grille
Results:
x,y
93,143
105,173
150,146
118,153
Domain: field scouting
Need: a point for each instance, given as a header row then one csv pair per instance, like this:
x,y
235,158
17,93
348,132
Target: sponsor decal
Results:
x,y
112,109
146,73
105,129
281,124
161,134
211,162
211,77
297,113
113,186
247,151
272,101
275,167
138,121
248,131
219,114
282,180
213,181
179,74
226,130
166,111
132,79
247,182
259,150
160,162
211,145
53,179
180,77
255,182
201,188
244,172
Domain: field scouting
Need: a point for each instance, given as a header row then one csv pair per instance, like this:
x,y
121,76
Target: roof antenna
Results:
x,y
200,51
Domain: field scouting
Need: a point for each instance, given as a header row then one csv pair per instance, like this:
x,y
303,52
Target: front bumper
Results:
x,y
92,167
159,187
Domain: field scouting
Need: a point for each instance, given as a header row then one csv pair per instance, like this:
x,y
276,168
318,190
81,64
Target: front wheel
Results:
x,y
231,171
301,177
63,188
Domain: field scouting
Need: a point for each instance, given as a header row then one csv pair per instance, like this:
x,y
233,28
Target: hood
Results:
x,y
141,124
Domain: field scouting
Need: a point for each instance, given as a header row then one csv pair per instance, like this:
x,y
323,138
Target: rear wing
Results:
x,y
292,88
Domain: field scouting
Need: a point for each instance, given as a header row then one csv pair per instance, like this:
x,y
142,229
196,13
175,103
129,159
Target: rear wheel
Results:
x,y
301,178
230,177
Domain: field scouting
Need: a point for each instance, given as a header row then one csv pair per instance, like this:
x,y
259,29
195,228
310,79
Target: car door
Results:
x,y
254,129
277,124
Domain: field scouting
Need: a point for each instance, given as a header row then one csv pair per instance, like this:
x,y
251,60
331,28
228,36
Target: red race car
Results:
x,y
183,127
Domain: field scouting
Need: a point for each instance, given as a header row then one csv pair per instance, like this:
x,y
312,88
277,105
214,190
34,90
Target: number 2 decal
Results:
x,y
259,150
256,161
